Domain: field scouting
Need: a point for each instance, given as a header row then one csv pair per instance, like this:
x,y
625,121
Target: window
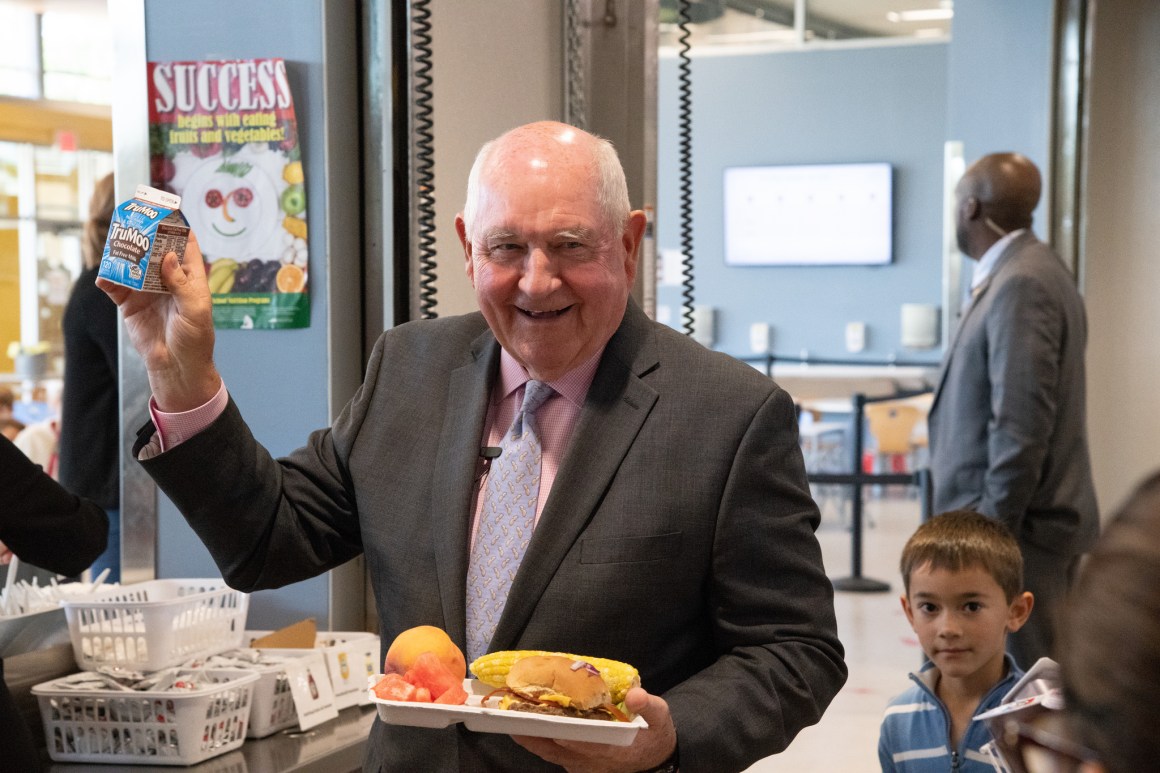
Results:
x,y
20,54
59,56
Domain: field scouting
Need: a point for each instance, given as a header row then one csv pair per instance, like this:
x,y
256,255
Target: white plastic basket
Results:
x,y
147,728
272,708
156,624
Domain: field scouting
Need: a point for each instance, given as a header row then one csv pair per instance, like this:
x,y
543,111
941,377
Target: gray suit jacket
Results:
x,y
1008,431
678,535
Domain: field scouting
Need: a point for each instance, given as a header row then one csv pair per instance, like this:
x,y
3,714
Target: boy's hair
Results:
x,y
960,539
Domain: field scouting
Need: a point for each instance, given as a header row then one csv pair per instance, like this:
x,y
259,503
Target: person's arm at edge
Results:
x,y
42,523
651,749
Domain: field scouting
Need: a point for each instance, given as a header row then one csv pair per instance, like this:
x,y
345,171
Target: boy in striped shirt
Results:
x,y
963,579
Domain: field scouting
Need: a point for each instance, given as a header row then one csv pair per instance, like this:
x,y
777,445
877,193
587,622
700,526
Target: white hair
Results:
x,y
611,186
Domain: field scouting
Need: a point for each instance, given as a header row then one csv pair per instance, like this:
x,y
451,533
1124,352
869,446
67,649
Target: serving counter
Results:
x,y
333,747
336,746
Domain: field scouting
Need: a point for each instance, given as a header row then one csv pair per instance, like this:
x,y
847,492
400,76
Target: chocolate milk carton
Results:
x,y
143,230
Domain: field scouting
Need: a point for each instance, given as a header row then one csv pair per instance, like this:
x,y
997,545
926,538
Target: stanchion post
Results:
x,y
856,582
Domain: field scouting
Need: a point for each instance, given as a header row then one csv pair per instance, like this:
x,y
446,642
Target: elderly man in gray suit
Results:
x,y
666,522
1008,434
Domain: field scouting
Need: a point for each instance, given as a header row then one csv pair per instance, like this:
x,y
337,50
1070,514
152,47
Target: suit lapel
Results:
x,y
976,299
454,475
616,407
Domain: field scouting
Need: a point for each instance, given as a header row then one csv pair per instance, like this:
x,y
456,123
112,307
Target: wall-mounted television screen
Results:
x,y
819,214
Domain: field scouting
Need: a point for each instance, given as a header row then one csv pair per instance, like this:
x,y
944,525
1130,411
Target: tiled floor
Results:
x,y
880,647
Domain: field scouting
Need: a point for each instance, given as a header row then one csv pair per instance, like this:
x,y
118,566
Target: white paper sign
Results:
x,y
350,659
312,691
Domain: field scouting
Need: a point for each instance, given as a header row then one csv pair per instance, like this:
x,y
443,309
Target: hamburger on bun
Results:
x,y
552,684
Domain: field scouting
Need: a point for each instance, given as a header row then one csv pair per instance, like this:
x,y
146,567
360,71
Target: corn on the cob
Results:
x,y
492,669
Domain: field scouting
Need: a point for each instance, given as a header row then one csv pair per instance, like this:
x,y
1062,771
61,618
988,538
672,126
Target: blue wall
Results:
x,y
999,66
803,107
279,378
999,74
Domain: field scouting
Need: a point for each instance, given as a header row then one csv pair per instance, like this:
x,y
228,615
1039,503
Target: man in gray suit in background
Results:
x,y
1008,430
674,527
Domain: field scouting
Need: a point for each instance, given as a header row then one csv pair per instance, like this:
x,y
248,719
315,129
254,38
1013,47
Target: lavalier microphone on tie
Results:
x,y
486,454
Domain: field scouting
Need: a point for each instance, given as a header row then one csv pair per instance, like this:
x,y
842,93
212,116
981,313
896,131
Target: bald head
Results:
x,y
995,196
1007,185
535,147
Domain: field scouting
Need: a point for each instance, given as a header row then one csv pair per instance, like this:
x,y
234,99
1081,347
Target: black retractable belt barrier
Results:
x,y
856,480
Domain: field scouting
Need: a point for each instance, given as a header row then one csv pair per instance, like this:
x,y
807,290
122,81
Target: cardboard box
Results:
x,y
297,636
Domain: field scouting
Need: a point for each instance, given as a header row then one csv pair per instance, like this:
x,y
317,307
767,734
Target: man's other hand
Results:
x,y
650,748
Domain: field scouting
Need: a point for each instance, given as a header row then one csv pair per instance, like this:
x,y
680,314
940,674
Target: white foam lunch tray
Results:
x,y
484,719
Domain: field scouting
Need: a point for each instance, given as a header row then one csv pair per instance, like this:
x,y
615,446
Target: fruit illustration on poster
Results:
x,y
248,209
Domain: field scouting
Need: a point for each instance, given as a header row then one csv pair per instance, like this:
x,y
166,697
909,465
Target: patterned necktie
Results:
x,y
505,521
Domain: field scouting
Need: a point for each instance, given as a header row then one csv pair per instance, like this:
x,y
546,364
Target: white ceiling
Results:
x,y
89,7
870,16
734,27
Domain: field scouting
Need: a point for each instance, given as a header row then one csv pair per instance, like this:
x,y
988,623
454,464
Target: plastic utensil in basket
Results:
x,y
147,728
152,625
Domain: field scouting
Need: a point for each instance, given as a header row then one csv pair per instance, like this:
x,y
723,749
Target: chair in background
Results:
x,y
892,425
920,437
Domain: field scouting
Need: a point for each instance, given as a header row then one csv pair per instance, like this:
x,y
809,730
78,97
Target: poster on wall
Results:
x,y
223,136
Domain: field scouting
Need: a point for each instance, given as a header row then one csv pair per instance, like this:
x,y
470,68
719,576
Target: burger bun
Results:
x,y
539,675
